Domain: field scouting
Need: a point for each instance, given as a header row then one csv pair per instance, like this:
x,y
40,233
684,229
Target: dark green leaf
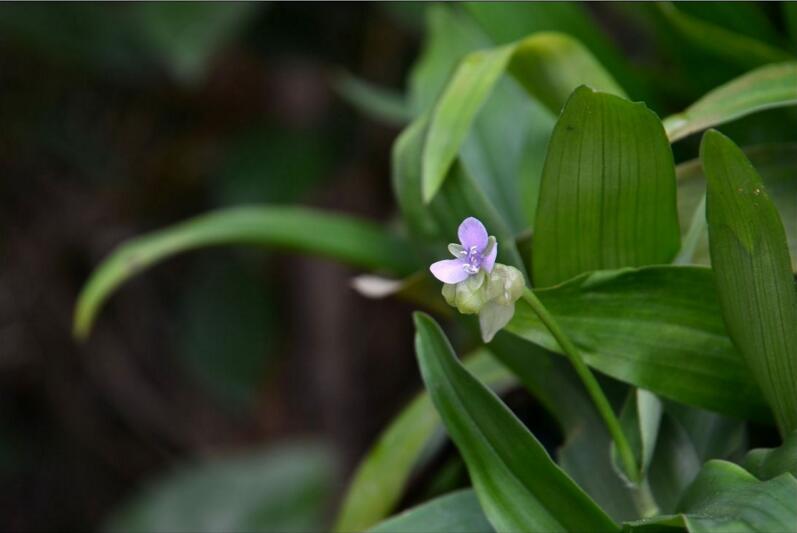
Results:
x,y
764,88
607,197
520,488
768,463
640,419
458,511
382,104
755,284
381,478
282,489
657,328
357,242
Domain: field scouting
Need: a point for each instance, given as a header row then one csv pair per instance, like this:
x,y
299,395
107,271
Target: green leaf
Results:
x,y
755,284
357,242
640,418
548,65
725,497
282,489
458,511
382,475
657,328
607,198
382,104
520,488
722,43
764,88
768,463
777,165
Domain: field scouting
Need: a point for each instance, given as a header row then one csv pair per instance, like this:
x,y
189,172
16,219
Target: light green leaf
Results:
x,y
657,328
764,88
520,488
607,198
750,257
282,489
357,242
768,463
725,497
777,165
382,104
728,45
548,65
381,478
458,511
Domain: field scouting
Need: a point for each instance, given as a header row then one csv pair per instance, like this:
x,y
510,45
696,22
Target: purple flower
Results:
x,y
476,251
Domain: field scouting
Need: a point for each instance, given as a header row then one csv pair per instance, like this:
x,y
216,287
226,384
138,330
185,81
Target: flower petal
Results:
x,y
488,262
472,233
449,271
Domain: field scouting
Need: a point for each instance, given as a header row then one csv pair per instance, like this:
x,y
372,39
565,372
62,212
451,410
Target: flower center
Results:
x,y
473,260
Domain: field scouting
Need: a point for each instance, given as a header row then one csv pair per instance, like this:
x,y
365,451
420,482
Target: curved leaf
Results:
x,y
520,488
764,88
357,242
750,257
548,65
657,328
382,475
607,197
769,463
458,511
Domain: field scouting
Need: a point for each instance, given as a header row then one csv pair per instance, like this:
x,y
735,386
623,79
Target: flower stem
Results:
x,y
590,383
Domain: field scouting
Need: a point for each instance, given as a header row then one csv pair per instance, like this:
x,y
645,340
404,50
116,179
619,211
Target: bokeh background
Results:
x,y
229,364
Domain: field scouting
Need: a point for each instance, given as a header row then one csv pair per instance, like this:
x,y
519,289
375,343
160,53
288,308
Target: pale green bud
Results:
x,y
505,285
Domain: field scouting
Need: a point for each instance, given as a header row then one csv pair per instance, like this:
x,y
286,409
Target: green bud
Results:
x,y
505,285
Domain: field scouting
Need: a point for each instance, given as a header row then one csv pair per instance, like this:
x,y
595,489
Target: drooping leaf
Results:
x,y
768,463
657,328
282,489
381,478
357,242
750,257
777,165
732,47
458,511
548,65
377,102
607,198
519,487
763,88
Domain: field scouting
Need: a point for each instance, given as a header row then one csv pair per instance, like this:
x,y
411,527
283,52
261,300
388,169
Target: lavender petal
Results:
x,y
488,262
449,271
472,233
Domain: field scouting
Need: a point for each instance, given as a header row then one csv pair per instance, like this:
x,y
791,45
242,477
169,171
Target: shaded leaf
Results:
x,y
458,511
640,419
357,242
769,463
755,284
382,475
519,486
607,197
379,103
282,489
657,328
764,88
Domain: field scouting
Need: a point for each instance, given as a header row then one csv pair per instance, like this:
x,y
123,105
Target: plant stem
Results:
x,y
590,383
644,500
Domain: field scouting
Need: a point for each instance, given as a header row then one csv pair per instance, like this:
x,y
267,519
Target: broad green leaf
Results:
x,y
381,478
728,45
357,242
584,455
777,165
640,418
286,488
461,197
607,198
548,65
750,258
764,88
457,511
766,463
382,104
725,497
520,488
657,328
